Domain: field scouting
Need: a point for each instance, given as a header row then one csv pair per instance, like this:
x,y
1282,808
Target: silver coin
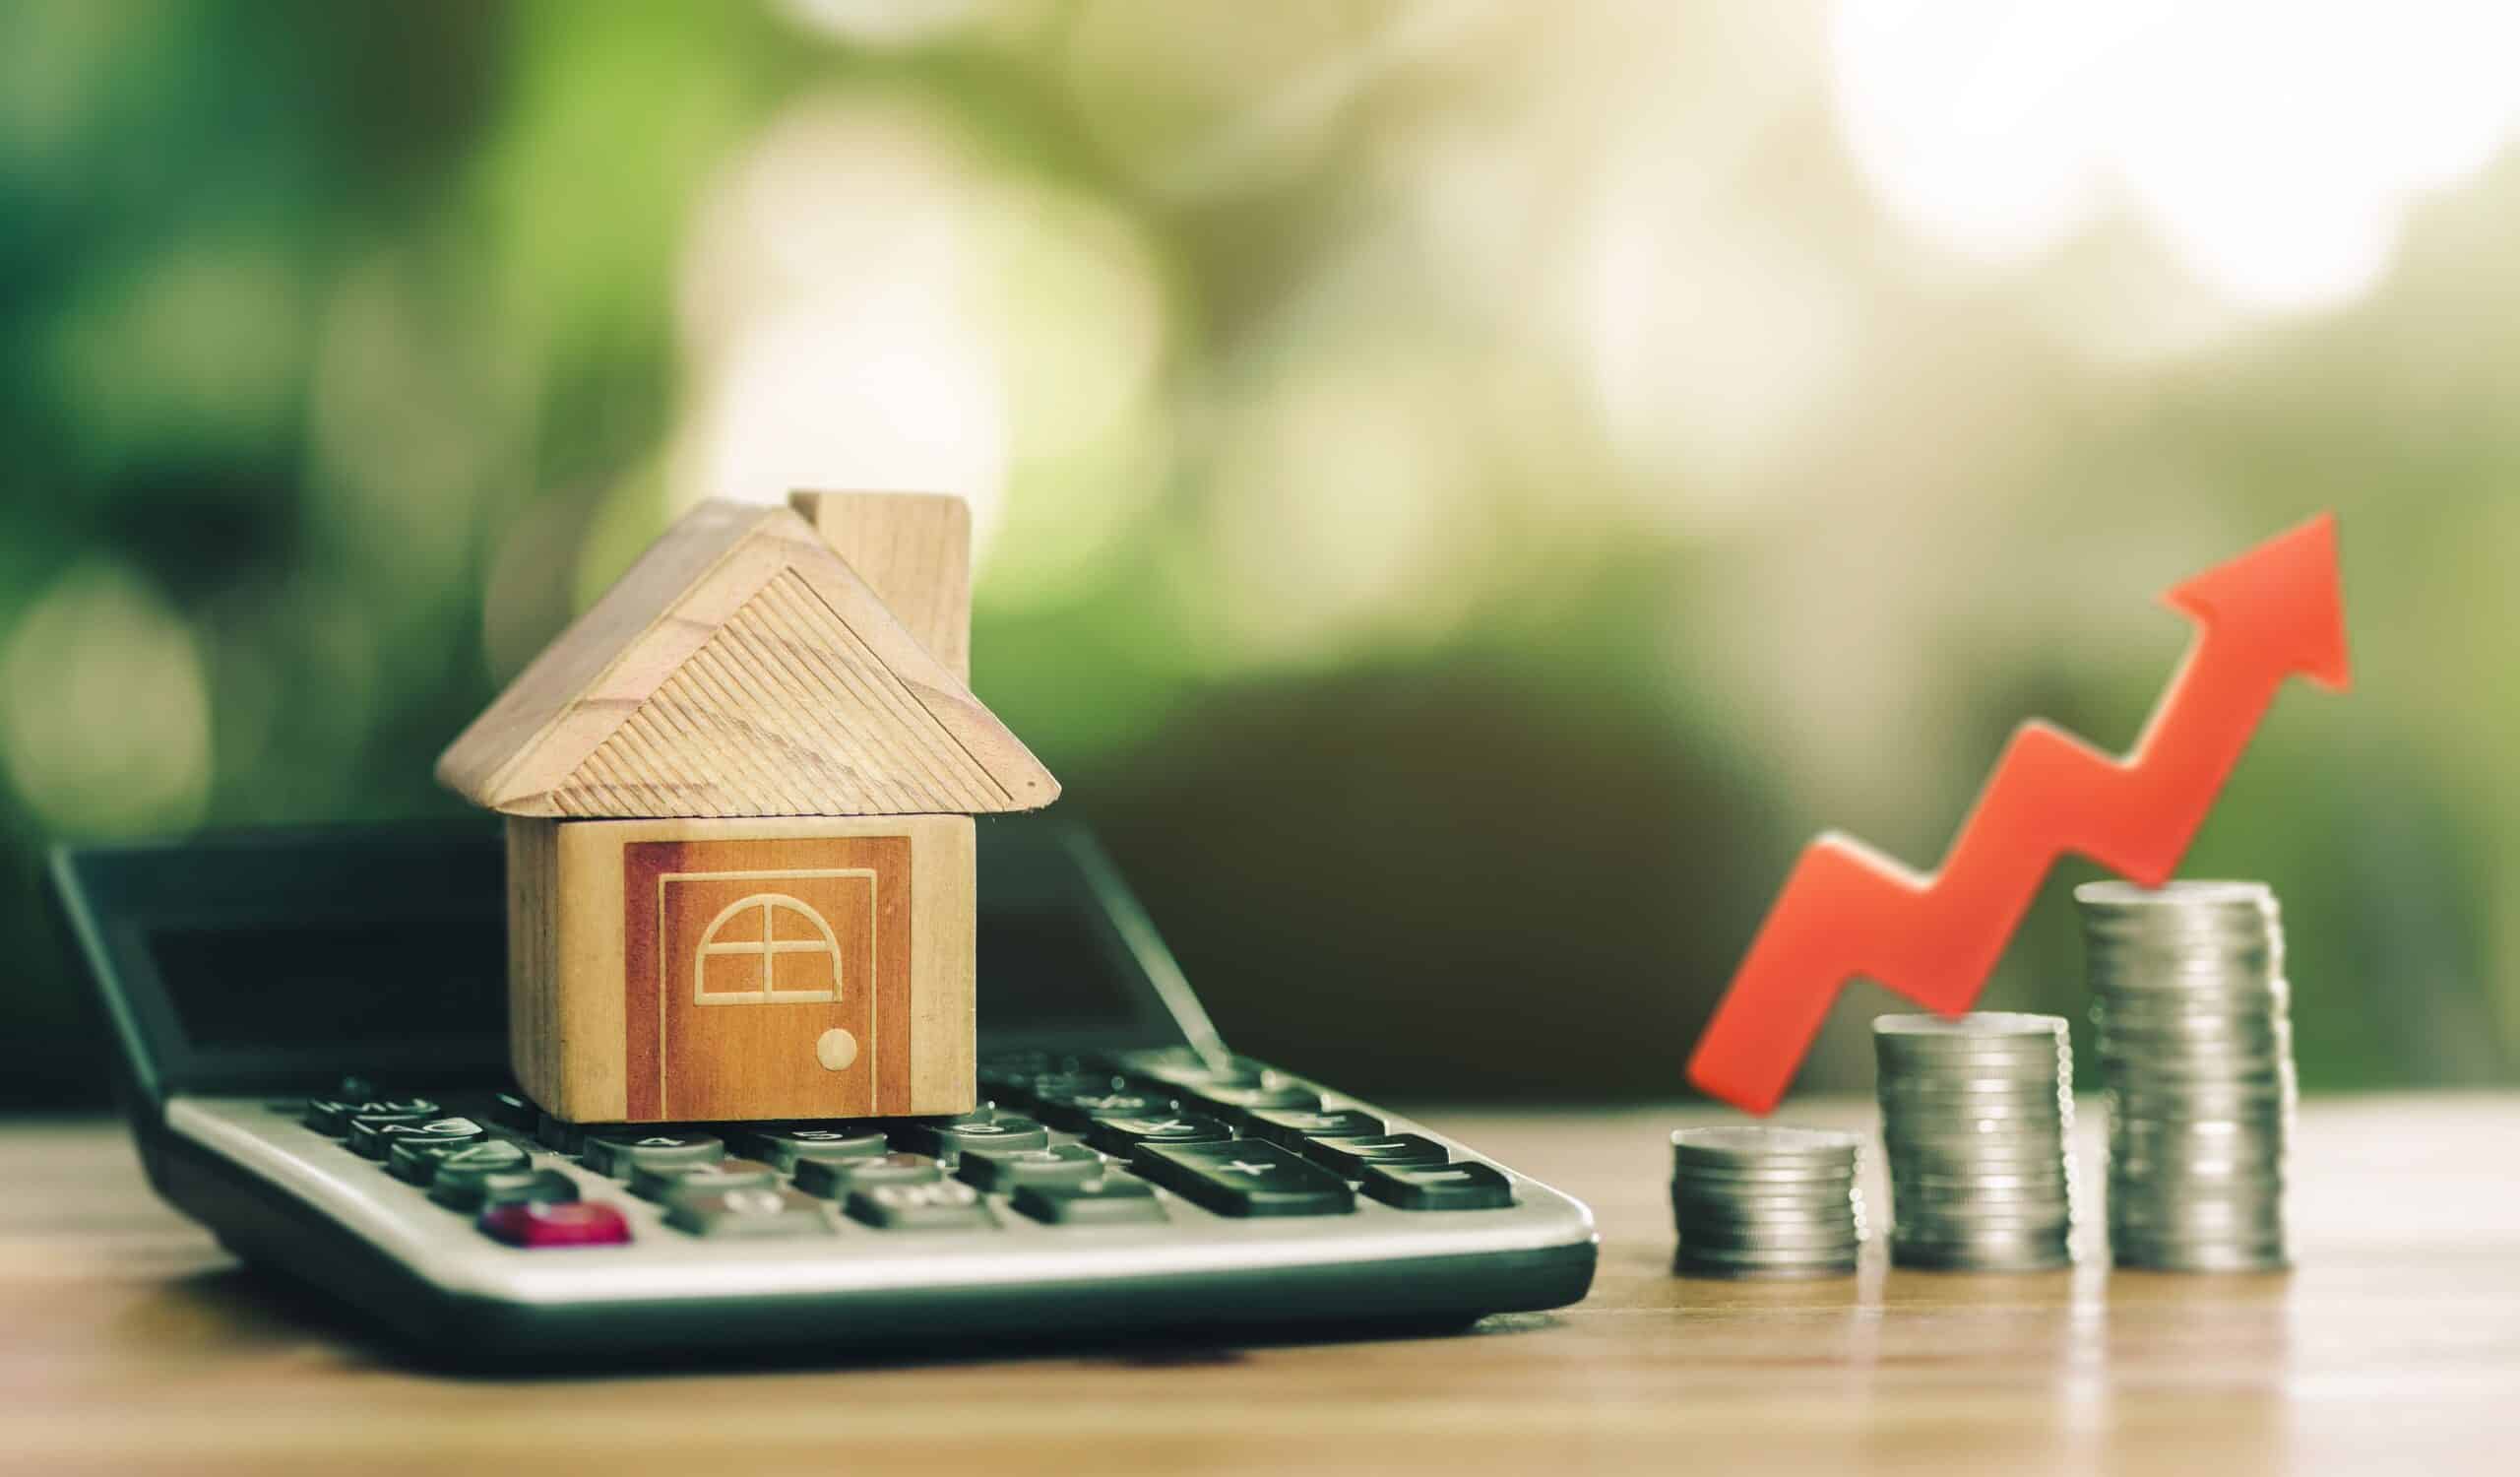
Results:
x,y
1817,1241
1765,1257
1762,1146
1694,1267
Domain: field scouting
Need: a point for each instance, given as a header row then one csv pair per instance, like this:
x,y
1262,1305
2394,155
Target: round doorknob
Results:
x,y
836,1049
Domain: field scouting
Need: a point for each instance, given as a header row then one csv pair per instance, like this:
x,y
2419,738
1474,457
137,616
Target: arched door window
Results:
x,y
766,948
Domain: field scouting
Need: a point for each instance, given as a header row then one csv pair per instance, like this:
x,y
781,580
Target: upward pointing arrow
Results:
x,y
1847,910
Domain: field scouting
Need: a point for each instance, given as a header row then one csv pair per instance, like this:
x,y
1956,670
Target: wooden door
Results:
x,y
768,999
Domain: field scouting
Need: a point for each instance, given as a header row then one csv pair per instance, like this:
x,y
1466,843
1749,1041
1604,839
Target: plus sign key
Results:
x,y
1245,1177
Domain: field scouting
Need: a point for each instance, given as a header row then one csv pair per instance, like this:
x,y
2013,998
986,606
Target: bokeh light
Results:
x,y
106,714
1417,448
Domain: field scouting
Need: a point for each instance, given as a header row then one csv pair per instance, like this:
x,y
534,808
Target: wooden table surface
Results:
x,y
130,1342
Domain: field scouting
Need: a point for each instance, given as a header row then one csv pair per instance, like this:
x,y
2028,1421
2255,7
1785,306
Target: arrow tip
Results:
x,y
2285,596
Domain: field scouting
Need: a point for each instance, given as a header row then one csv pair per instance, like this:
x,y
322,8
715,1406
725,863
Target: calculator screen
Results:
x,y
333,984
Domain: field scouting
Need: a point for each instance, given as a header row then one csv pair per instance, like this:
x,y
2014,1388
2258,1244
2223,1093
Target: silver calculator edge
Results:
x,y
661,1264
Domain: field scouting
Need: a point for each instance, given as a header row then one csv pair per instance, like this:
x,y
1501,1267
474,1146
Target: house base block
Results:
x,y
701,970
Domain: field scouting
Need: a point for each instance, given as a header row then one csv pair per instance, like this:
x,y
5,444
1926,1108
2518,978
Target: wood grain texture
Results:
x,y
537,1043
914,549
686,1059
135,1345
581,1065
740,668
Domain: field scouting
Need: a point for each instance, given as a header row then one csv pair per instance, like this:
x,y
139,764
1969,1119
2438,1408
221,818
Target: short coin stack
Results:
x,y
1976,1117
1760,1202
2195,1041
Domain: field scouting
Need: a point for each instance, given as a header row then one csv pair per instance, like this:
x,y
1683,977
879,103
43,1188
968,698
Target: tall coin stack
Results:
x,y
2195,1039
1977,1115
1761,1202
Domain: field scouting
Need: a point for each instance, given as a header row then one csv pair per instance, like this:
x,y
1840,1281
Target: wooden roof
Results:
x,y
741,668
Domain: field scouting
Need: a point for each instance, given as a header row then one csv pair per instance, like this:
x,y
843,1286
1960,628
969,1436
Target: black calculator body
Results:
x,y
311,1032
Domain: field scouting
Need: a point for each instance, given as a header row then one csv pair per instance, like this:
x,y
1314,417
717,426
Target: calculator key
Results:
x,y
559,1135
982,1129
749,1211
510,1110
833,1179
332,1117
1293,1126
670,1182
416,1158
1245,1177
1077,1111
543,1186
1104,1200
1011,1078
567,1223
460,1175
789,1144
1437,1187
946,1205
1008,1170
1123,1135
487,1190
373,1138
618,1151
1253,1097
1184,1068
1013,1065
1349,1156
1071,1083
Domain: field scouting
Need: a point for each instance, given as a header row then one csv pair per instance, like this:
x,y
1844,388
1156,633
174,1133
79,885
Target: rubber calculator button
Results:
x,y
972,1131
515,1111
1077,1111
620,1151
749,1211
568,1223
833,1179
559,1135
1239,1098
1104,1200
1349,1156
1184,1068
462,1175
1123,1135
375,1137
1437,1187
1009,1169
1245,1177
332,1117
1291,1126
667,1182
415,1160
540,1187
788,1145
946,1205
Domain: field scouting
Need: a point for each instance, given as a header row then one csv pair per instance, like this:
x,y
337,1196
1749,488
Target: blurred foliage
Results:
x,y
1470,489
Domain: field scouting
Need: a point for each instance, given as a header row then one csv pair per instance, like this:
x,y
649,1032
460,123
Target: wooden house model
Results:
x,y
739,792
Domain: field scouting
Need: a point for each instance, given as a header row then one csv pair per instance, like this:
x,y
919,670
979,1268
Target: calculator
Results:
x,y
312,1041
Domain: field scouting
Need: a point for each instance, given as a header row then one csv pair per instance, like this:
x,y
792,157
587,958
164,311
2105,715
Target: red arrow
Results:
x,y
1847,910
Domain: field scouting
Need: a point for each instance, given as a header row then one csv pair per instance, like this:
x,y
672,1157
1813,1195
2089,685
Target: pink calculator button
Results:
x,y
569,1223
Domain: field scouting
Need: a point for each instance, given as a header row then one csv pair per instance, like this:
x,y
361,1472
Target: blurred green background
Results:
x,y
1466,491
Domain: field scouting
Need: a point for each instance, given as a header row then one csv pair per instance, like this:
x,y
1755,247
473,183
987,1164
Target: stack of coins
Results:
x,y
1760,1202
2195,1040
1976,1117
